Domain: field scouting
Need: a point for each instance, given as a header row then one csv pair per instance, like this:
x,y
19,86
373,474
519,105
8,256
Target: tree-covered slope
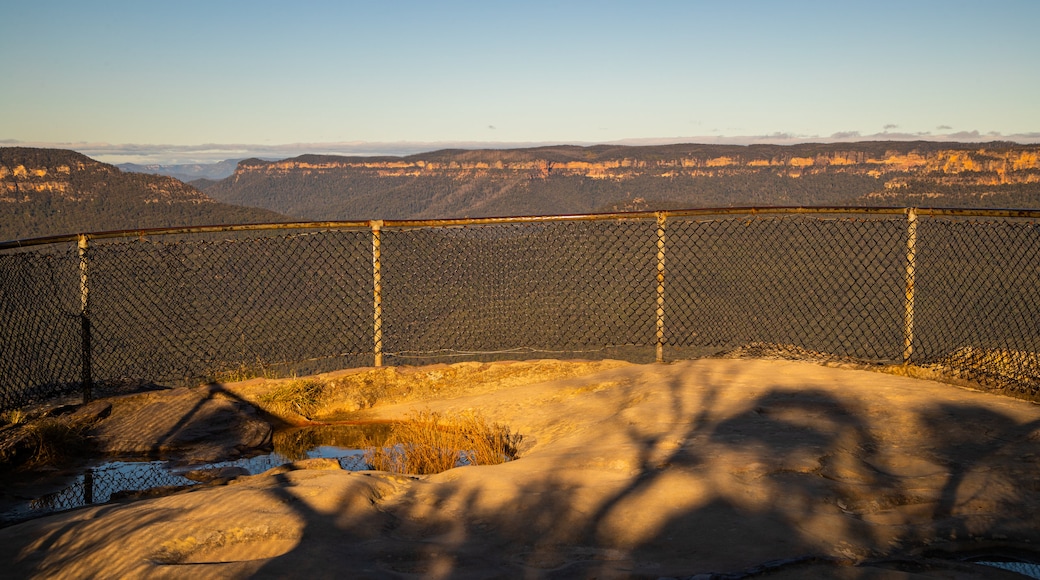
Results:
x,y
53,191
570,179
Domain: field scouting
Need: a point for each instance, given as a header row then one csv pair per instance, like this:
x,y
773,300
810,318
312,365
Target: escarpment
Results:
x,y
570,179
55,191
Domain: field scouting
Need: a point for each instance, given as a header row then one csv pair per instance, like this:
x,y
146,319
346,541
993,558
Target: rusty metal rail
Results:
x,y
100,312
367,224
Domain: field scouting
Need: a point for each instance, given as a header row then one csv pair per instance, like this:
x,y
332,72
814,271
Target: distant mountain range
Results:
x,y
53,191
185,172
571,179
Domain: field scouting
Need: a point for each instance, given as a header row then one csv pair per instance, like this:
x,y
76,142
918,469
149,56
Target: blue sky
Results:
x,y
176,81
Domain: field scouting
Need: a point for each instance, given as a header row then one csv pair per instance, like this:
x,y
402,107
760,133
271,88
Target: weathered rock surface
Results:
x,y
200,424
712,466
215,474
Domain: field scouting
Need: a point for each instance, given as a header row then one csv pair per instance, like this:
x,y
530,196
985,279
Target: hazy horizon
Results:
x,y
209,153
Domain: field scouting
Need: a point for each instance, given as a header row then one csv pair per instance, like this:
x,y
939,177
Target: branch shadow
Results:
x,y
791,477
697,469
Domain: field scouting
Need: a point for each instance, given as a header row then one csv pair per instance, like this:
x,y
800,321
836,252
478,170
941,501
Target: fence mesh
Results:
x,y
177,309
169,311
978,296
517,290
40,331
833,286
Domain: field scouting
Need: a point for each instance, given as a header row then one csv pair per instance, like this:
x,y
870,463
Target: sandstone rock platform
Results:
x,y
727,467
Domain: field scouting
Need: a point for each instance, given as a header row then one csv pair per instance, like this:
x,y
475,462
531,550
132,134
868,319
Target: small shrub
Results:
x,y
429,442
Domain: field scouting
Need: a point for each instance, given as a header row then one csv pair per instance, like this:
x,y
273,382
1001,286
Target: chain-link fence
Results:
x,y
957,291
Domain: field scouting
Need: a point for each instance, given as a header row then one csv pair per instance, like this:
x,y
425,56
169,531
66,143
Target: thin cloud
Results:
x,y
160,154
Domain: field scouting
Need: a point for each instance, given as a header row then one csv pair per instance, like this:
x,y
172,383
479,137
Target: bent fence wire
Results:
x,y
957,291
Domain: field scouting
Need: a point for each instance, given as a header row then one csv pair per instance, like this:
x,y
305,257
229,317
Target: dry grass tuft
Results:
x,y
429,442
1009,372
57,441
1004,364
48,441
13,417
297,397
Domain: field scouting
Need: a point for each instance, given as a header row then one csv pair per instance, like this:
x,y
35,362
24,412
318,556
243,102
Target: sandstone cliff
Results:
x,y
566,179
984,165
26,173
53,191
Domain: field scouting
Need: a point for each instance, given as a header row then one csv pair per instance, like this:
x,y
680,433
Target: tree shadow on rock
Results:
x,y
688,471
811,481
990,497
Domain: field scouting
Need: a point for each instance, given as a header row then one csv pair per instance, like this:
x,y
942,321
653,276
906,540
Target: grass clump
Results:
x,y
48,441
430,442
57,441
303,397
13,417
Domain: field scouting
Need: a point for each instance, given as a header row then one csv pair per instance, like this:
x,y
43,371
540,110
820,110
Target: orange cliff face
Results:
x,y
981,166
86,181
168,190
18,181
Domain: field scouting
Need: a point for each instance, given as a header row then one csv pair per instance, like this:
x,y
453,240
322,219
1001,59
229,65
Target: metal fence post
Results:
x,y
660,286
377,295
88,486
86,375
911,270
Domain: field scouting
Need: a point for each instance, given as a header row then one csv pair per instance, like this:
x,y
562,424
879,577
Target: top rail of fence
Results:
x,y
779,210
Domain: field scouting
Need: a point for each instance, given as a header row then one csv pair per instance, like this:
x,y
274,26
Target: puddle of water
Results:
x,y
98,484
304,442
1027,569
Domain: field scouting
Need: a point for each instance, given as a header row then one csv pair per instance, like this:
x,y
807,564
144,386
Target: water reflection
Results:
x,y
1027,569
301,443
114,479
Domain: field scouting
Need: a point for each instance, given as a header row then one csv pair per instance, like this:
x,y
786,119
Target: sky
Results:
x,y
187,81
